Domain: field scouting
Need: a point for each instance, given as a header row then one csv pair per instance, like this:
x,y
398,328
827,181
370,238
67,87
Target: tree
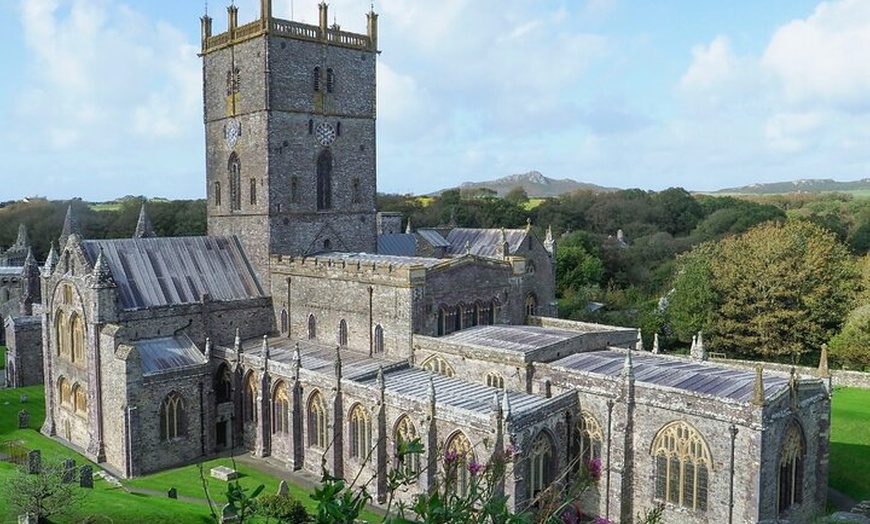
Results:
x,y
851,346
42,494
517,195
783,290
691,303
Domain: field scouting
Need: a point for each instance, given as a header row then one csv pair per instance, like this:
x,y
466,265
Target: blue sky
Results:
x,y
102,98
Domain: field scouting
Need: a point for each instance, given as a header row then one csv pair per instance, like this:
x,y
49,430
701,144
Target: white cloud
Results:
x,y
823,59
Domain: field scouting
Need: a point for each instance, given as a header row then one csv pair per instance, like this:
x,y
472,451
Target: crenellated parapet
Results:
x,y
267,24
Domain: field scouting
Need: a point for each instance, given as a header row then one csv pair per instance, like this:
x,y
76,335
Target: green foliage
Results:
x,y
517,195
43,494
782,290
338,503
240,501
691,303
282,508
851,347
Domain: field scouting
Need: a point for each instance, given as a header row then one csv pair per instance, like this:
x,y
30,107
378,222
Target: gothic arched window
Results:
x,y
77,338
682,466
312,327
407,463
324,180
285,322
171,417
280,409
436,364
61,334
65,392
317,78
342,333
588,438
494,380
223,385
379,340
217,194
317,428
249,399
330,80
360,432
234,167
80,400
531,305
540,465
457,457
791,468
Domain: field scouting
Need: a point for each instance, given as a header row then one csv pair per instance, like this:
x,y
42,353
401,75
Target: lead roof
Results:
x,y
165,354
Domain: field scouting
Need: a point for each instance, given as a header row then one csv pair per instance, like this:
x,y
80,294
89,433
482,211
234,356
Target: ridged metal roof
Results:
x,y
382,259
522,339
483,242
168,354
433,237
11,271
316,356
154,272
685,374
397,244
454,392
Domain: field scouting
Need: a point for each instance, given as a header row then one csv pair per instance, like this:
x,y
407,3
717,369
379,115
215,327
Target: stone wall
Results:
x,y
840,378
24,366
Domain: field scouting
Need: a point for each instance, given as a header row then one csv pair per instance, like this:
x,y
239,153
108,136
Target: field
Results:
x,y
850,442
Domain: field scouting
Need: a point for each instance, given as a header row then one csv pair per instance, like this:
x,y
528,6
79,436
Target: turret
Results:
x,y
372,24
30,285
323,9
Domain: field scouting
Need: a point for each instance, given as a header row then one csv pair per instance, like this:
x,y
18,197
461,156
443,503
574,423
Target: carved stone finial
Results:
x,y
549,243
265,353
528,224
381,383
337,364
628,366
238,341
655,349
823,371
467,247
70,226
208,348
638,345
102,275
408,229
758,394
431,391
50,261
505,406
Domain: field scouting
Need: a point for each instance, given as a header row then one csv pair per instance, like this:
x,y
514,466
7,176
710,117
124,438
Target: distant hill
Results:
x,y
535,184
814,185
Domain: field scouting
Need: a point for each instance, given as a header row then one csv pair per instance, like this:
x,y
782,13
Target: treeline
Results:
x,y
44,219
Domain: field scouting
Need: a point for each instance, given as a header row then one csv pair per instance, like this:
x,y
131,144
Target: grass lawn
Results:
x,y
850,442
106,503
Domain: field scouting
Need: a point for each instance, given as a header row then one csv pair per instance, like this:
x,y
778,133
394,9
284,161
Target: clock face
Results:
x,y
232,132
325,134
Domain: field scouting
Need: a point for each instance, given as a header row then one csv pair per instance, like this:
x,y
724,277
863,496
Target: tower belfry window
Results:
x,y
330,80
235,170
324,180
317,78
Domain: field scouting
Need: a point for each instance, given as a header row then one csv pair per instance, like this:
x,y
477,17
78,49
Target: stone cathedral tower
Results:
x,y
290,135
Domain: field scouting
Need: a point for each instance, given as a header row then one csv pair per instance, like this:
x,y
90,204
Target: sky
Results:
x,y
102,98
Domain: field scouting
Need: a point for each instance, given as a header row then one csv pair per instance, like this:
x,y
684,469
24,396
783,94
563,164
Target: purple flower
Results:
x,y
594,469
602,520
570,517
510,451
475,467
450,455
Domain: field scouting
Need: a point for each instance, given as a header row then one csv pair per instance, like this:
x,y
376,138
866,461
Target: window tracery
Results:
x,y
360,432
317,428
437,364
682,466
791,468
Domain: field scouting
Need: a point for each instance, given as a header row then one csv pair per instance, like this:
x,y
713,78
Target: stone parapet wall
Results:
x,y
840,378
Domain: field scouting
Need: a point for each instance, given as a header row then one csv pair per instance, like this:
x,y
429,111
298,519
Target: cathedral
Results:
x,y
310,329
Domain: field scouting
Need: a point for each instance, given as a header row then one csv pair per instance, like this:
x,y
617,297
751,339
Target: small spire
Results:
x,y
549,243
264,352
144,229
380,382
208,348
505,406
467,247
408,229
297,362
823,371
628,366
638,346
528,224
431,391
655,348
50,261
237,344
70,226
22,242
758,395
31,268
699,352
102,273
337,364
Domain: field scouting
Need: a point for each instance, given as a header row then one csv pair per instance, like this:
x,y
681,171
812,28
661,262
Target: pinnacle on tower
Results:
x,y
408,229
549,243
144,229
22,241
628,366
70,227
50,261
655,348
823,371
31,268
337,364
699,352
638,346
505,406
758,394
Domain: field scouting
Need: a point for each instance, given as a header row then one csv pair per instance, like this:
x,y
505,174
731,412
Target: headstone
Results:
x,y
172,493
224,473
23,419
86,479
283,490
69,470
228,514
34,461
23,399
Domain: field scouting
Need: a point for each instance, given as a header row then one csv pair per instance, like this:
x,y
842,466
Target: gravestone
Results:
x,y
172,493
283,490
86,479
228,514
23,419
69,470
34,461
224,473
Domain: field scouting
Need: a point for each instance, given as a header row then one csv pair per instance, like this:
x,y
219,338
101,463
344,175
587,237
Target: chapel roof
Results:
x,y
483,242
160,355
153,272
519,338
397,244
679,373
